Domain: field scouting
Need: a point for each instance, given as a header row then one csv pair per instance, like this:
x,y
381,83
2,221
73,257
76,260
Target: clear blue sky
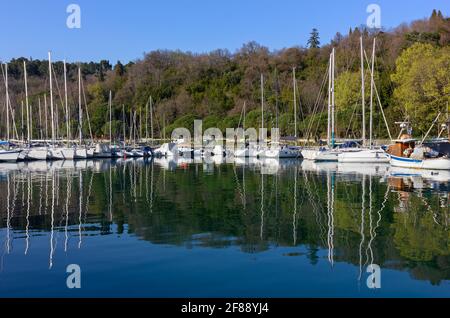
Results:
x,y
124,30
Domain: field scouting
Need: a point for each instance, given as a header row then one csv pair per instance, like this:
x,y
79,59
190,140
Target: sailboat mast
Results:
x,y
21,122
329,103
131,125
7,102
371,96
362,93
243,125
140,123
46,116
295,103
124,121
332,102
26,101
80,111
262,105
40,118
66,104
51,98
110,117
146,119
151,117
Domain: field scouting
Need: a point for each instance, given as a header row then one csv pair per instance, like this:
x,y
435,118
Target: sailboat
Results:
x,y
242,152
32,153
6,153
56,152
80,151
135,151
253,150
326,153
103,150
367,154
276,151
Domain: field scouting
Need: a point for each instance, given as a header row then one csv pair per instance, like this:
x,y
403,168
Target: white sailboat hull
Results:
x,y
319,155
363,155
280,153
429,163
9,155
102,151
90,152
63,153
81,153
37,154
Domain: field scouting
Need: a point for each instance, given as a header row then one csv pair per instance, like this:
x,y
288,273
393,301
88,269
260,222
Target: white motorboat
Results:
x,y
405,153
442,163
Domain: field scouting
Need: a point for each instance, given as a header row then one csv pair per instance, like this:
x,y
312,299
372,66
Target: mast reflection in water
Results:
x,y
258,228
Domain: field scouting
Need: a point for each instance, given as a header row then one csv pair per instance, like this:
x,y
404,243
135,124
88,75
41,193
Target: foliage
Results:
x,y
422,80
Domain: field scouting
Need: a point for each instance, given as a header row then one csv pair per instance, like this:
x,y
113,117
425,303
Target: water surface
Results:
x,y
253,228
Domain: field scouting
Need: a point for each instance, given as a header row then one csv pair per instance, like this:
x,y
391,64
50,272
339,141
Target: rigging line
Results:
x,y
299,99
12,112
320,98
87,110
378,97
316,105
351,118
61,100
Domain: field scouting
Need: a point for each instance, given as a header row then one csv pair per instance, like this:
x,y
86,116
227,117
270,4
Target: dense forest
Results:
x,y
412,77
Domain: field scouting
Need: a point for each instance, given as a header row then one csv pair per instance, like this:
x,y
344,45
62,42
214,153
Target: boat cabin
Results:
x,y
402,147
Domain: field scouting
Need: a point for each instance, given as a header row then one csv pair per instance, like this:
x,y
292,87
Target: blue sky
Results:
x,y
124,30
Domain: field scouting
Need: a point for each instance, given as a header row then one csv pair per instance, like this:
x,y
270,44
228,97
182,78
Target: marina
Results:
x,y
217,157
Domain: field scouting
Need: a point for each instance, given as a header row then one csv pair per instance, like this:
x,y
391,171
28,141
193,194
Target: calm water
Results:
x,y
263,229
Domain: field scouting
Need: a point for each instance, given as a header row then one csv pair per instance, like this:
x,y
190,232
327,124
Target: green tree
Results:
x,y
422,83
313,41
